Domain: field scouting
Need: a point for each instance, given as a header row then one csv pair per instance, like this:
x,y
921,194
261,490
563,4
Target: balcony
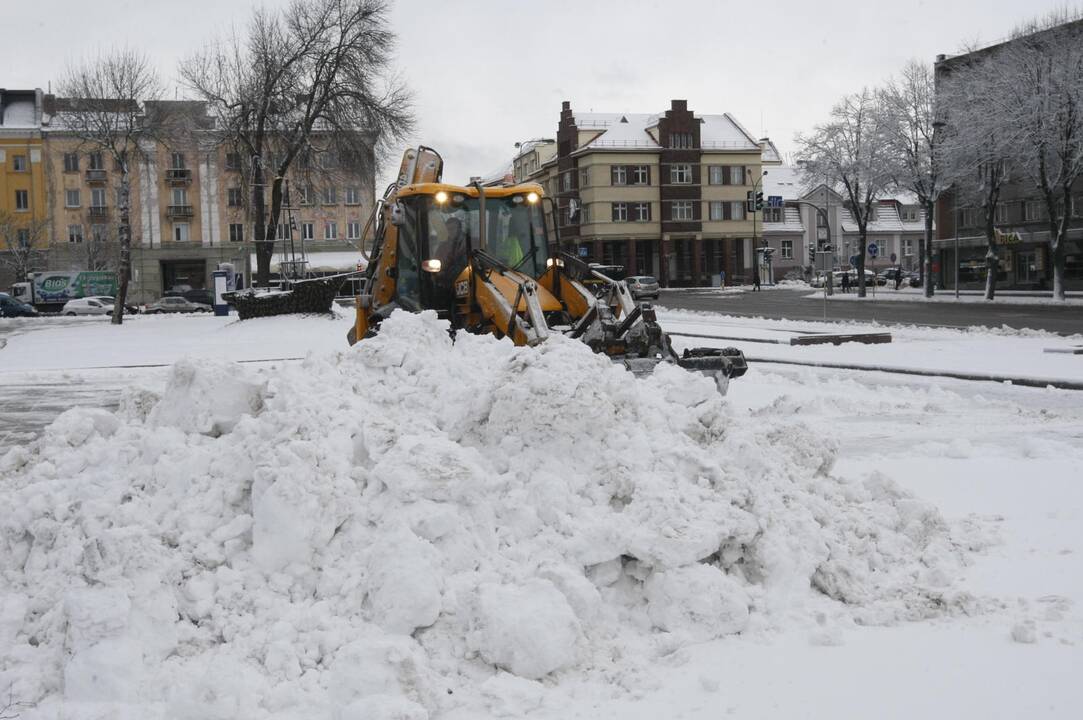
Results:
x,y
178,176
98,211
179,212
95,177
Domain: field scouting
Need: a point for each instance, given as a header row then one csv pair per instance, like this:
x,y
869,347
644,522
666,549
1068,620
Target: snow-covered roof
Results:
x,y
19,110
791,222
332,261
629,130
887,220
723,132
786,180
618,130
770,152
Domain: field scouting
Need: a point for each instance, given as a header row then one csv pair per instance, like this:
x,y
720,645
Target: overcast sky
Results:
x,y
487,73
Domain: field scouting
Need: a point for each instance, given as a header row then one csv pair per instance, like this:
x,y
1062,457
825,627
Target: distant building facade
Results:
x,y
23,195
1021,222
189,203
661,194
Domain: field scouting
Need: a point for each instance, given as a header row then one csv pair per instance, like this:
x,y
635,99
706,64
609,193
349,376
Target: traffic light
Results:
x,y
759,201
811,253
750,202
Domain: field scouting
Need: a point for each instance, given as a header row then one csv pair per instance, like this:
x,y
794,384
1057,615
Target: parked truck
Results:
x,y
48,291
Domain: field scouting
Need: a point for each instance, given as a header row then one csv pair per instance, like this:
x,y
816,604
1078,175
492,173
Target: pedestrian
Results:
x,y
755,281
898,278
722,278
846,282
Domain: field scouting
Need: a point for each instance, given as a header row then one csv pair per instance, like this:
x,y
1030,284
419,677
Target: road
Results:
x,y
785,304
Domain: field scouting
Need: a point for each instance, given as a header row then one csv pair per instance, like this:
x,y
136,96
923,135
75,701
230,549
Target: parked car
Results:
x,y
12,308
109,299
87,306
176,305
836,279
643,286
201,297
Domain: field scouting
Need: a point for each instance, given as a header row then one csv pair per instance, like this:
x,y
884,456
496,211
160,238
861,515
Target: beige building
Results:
x,y
663,194
189,205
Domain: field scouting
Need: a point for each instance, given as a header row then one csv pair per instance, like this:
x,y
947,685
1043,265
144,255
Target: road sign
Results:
x,y
874,249
774,201
894,257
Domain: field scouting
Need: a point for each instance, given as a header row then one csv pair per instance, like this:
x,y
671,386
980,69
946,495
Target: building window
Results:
x,y
1077,206
682,210
737,174
97,198
353,230
787,249
330,196
619,174
584,214
620,212
176,161
737,211
23,237
584,177
353,196
96,161
180,232
1034,211
641,175
967,217
22,199
307,231
283,231
908,247
71,198
680,174
566,181
75,233
180,197
715,175
1001,216
307,193
236,232
772,215
99,233
71,162
681,140
330,231
233,197
233,161
19,163
715,210
643,212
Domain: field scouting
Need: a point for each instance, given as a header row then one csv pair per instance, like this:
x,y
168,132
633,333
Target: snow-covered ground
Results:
x,y
372,534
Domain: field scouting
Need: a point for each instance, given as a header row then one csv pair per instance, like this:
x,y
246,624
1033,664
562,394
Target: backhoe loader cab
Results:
x,y
487,259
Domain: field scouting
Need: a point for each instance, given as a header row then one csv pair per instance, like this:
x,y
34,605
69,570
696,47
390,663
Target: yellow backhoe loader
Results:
x,y
487,260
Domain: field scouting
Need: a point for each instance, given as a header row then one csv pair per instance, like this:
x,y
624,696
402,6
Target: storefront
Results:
x,y
1022,265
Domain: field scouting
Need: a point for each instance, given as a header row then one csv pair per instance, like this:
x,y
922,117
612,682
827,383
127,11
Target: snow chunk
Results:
x,y
529,630
208,398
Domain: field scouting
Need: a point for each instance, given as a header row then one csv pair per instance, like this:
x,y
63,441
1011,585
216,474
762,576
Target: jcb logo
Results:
x,y
462,288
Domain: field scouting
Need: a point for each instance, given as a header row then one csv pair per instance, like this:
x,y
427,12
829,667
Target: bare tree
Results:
x,y
102,107
21,240
1040,86
976,142
99,252
312,79
851,151
912,130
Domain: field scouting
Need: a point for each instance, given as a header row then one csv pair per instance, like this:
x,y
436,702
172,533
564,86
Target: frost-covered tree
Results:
x,y
913,134
101,105
1039,82
20,243
851,152
312,79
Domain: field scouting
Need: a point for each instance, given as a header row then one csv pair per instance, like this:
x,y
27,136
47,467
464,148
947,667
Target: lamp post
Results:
x,y
755,234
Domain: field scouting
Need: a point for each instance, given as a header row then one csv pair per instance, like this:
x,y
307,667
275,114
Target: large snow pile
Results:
x,y
418,529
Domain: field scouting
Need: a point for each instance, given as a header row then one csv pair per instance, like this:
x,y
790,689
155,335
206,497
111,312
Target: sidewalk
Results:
x,y
1002,297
